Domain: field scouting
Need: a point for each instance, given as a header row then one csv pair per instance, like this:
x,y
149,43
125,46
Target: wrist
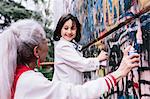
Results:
x,y
117,75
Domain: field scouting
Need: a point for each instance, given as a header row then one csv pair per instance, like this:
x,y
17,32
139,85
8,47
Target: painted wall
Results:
x,y
100,16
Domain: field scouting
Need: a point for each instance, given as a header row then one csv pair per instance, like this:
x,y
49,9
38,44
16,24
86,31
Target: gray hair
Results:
x,y
16,44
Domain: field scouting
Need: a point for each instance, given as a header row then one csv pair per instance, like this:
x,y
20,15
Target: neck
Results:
x,y
32,65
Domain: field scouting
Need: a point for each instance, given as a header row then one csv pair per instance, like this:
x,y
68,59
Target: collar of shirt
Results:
x,y
77,46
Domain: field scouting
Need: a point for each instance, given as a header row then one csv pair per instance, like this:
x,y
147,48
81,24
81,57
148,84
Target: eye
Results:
x,y
66,28
73,28
47,40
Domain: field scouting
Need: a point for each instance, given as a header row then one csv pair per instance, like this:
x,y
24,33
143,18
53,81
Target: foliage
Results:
x,y
11,11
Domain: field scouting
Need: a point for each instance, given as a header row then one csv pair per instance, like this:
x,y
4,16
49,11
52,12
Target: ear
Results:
x,y
35,50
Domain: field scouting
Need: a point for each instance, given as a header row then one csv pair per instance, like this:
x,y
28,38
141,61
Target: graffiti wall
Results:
x,y
98,17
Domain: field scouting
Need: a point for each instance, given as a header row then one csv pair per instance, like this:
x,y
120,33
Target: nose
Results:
x,y
69,31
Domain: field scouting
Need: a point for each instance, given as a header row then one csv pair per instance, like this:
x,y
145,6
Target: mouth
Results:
x,y
69,35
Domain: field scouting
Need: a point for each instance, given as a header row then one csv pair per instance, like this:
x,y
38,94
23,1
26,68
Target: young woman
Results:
x,y
23,45
69,63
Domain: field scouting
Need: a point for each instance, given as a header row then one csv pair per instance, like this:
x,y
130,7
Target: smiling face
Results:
x,y
68,31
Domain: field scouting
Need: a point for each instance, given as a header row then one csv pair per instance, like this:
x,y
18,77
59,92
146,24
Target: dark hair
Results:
x,y
61,22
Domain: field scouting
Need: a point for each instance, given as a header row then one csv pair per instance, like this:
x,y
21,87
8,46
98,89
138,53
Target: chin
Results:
x,y
68,39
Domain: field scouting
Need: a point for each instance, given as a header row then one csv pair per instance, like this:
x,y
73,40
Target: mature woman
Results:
x,y
22,46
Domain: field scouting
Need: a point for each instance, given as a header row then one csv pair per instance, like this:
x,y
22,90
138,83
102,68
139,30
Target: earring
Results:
x,y
38,62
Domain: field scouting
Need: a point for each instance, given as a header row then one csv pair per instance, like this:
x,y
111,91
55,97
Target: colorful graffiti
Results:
x,y
100,16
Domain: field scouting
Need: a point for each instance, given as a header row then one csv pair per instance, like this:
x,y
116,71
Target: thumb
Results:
x,y
125,52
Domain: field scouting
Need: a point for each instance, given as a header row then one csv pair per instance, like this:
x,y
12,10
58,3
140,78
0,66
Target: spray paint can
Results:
x,y
132,51
103,63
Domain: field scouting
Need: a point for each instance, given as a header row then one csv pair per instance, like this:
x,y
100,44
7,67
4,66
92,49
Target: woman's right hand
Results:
x,y
128,62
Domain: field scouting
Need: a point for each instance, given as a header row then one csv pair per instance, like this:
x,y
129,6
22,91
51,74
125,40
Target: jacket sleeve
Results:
x,y
33,85
68,55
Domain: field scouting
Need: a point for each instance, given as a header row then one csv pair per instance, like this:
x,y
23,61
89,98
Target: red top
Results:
x,y
19,70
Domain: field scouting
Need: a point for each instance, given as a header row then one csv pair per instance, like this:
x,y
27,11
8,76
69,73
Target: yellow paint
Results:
x,y
106,8
143,3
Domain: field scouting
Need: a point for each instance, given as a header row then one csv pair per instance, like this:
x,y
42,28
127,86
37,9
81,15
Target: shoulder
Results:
x,y
35,82
31,77
63,43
